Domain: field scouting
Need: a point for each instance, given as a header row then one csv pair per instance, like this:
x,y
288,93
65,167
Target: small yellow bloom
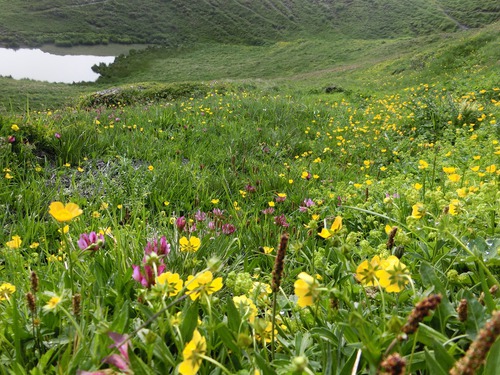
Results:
x,y
151,167
474,168
449,170
366,272
6,289
8,176
96,214
454,177
14,243
202,284
418,186
62,212
453,207
267,249
418,210
491,169
214,201
170,282
271,203
422,164
190,245
191,354
306,289
462,192
52,303
34,245
14,127
246,307
336,226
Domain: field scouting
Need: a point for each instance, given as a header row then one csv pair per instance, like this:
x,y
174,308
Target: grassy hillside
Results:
x,y
306,65
69,22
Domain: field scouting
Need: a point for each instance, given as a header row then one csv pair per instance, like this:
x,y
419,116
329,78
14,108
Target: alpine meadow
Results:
x,y
268,187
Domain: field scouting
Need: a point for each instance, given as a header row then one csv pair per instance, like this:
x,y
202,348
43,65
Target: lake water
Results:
x,y
57,64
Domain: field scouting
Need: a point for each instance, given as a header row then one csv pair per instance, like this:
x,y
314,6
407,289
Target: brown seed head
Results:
x,y
420,311
279,263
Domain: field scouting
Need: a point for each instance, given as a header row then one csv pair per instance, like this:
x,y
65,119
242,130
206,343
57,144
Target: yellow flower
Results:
x,y
202,283
270,203
62,212
462,192
366,273
263,330
267,249
418,210
14,243
449,170
454,177
14,127
454,207
151,167
336,226
422,164
54,301
190,245
169,282
306,289
191,354
418,186
6,289
474,168
214,201
34,245
64,229
394,275
491,169
8,176
246,307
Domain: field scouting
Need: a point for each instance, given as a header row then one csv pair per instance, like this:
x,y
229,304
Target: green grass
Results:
x,y
165,168
70,22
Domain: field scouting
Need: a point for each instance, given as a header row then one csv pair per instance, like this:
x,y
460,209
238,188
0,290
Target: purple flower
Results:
x,y
268,211
91,241
228,228
57,135
281,221
120,361
250,188
162,250
200,215
308,202
11,139
147,278
180,223
218,212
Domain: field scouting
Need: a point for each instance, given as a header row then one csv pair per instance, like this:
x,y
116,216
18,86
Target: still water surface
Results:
x,y
55,64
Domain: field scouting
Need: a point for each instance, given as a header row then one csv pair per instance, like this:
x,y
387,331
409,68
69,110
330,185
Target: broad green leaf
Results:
x,y
189,322
492,366
433,365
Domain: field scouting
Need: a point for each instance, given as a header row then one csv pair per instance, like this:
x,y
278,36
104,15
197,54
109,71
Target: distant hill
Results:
x,y
254,22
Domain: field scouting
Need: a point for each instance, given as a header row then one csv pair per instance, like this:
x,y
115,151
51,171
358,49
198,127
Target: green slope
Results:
x,y
67,22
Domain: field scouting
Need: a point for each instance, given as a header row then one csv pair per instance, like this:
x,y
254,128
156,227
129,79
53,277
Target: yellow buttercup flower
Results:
x,y
267,249
422,164
191,244
394,275
491,169
6,289
246,307
192,353
63,213
306,289
449,170
170,283
418,210
454,177
366,273
14,243
53,302
336,226
202,284
14,127
453,207
418,186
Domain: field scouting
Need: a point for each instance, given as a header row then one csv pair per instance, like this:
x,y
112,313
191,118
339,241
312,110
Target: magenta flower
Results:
x,y
281,221
91,241
120,361
200,215
228,228
306,204
148,276
218,212
11,139
180,223
162,250
57,135
268,211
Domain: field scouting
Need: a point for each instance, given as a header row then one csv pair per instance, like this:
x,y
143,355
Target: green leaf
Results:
x,y
433,365
493,360
233,316
227,338
189,322
430,279
137,365
264,364
347,369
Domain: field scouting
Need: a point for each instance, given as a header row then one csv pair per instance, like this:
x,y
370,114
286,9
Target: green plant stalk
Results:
x,y
273,323
213,361
16,328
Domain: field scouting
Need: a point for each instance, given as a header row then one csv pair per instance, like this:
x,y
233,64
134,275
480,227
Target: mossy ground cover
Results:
x,y
248,231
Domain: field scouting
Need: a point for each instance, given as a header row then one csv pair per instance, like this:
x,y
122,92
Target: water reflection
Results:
x,y
42,66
